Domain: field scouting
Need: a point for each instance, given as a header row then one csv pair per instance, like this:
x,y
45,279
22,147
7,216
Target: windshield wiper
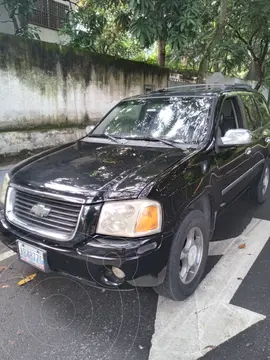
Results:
x,y
106,136
149,138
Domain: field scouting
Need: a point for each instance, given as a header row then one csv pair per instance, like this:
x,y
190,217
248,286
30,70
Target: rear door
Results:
x,y
264,120
253,121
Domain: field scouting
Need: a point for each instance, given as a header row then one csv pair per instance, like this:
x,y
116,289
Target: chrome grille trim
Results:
x,y
31,200
49,195
60,225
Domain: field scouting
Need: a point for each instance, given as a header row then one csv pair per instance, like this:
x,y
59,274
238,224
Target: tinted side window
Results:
x,y
251,112
228,118
263,108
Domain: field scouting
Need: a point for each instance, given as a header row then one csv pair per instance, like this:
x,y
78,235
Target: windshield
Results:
x,y
179,119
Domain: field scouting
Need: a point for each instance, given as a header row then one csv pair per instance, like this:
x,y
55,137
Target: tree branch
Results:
x,y
254,33
217,34
71,2
265,50
15,23
241,38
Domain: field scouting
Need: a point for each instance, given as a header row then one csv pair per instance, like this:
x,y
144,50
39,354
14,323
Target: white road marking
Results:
x,y
220,247
187,330
6,255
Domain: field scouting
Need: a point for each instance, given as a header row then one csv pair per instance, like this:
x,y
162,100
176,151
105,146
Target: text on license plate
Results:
x,y
31,255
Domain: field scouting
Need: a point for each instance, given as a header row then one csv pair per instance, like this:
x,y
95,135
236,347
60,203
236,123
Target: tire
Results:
x,y
259,190
175,285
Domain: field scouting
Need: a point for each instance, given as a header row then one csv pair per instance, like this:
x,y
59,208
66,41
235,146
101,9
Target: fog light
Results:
x,y
118,272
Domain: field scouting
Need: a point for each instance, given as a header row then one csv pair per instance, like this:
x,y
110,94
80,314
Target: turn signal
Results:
x,y
148,219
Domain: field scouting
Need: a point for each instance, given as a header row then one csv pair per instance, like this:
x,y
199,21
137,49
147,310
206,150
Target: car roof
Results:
x,y
211,90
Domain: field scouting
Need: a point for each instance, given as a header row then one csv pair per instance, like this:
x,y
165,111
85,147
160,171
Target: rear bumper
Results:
x,y
144,262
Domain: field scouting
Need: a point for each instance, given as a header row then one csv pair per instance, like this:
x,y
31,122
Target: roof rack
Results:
x,y
206,87
240,86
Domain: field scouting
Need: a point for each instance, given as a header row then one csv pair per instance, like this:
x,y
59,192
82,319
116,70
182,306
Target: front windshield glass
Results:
x,y
179,119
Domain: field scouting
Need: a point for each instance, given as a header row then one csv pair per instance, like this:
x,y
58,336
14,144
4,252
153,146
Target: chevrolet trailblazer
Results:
x,y
134,202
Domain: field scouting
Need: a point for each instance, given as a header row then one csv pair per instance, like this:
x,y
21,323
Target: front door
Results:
x,y
232,163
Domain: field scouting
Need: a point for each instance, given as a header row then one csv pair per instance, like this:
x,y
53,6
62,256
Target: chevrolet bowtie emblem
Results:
x,y
40,210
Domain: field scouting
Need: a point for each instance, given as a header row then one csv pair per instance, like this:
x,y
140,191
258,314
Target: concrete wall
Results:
x,y
43,83
6,25
51,36
17,141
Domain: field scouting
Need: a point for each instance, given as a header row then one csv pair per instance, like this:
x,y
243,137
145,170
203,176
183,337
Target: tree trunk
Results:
x,y
215,38
15,24
161,52
259,73
256,71
252,74
23,19
217,68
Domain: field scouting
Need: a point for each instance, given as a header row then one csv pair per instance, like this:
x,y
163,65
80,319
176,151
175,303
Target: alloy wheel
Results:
x,y
265,181
191,255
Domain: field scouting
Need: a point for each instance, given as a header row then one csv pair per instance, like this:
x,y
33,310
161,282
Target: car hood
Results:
x,y
98,171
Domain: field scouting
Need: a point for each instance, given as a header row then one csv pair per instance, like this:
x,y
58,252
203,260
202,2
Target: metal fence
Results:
x,y
49,14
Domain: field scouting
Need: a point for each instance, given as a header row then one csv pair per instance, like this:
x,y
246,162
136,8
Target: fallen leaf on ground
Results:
x,y
2,268
20,332
4,286
242,246
239,278
210,347
27,279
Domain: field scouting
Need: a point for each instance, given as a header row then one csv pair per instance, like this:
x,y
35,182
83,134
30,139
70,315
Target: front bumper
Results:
x,y
143,262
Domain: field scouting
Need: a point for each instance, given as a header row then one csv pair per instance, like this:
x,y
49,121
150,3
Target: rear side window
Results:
x,y
263,108
251,112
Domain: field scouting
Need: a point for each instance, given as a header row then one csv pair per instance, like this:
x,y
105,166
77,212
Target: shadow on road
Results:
x,y
232,221
64,319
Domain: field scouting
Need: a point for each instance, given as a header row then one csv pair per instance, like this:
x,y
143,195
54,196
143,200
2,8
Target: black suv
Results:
x,y
134,202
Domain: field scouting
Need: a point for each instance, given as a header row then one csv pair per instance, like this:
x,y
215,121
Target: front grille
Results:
x,y
60,223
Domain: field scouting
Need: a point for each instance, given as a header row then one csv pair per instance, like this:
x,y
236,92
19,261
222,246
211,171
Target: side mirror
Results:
x,y
89,128
235,137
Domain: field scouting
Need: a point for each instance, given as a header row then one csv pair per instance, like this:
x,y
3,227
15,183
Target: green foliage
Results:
x,y
249,25
149,20
91,26
245,39
182,28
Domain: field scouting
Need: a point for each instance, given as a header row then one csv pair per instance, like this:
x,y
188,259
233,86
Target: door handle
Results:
x,y
248,151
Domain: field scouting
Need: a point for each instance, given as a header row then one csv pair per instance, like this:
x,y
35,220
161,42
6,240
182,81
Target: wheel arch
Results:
x,y
206,205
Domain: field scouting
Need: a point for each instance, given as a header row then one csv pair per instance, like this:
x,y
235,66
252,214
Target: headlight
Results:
x,y
3,189
130,218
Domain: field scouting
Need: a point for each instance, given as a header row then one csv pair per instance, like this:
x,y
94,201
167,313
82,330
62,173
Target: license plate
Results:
x,y
32,255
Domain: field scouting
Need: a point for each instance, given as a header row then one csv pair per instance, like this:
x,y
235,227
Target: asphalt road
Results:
x,y
53,317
